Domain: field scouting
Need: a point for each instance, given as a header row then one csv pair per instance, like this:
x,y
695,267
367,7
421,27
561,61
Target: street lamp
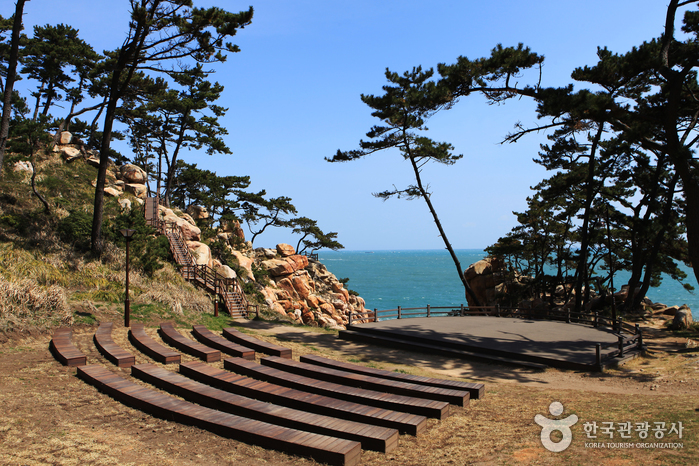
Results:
x,y
128,234
216,306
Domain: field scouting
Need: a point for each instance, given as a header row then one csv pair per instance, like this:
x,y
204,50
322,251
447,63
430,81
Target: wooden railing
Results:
x,y
201,274
629,336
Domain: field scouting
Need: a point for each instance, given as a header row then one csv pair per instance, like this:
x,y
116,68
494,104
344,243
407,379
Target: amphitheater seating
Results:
x,y
110,350
258,345
209,338
476,390
371,437
150,347
322,448
429,408
406,423
63,349
196,349
455,397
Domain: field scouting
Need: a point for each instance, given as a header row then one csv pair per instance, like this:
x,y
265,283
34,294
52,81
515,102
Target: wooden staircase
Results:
x,y
228,290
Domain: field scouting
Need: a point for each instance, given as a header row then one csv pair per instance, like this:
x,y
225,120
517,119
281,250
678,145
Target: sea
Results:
x,y
416,278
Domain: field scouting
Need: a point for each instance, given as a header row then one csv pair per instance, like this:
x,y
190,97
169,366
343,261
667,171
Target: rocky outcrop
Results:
x,y
303,290
683,318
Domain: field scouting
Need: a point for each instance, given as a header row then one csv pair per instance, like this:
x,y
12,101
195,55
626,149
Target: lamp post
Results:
x,y
128,234
216,306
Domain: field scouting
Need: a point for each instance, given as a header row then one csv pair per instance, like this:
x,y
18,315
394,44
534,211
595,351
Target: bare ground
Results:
x,y
49,416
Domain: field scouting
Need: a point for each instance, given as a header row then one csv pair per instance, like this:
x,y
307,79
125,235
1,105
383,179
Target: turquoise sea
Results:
x,y
415,278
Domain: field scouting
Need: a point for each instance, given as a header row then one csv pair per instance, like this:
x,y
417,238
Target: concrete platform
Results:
x,y
539,342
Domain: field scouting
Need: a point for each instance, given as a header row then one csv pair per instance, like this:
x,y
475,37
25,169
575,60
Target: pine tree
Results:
x,y
161,34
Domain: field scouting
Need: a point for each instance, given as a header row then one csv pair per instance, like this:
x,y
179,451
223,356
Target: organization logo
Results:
x,y
548,426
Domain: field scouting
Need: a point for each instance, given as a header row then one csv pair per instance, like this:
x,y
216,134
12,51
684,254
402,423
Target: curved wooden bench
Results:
x,y
405,423
179,341
209,338
150,347
371,437
407,404
113,352
258,345
455,397
63,349
322,448
476,390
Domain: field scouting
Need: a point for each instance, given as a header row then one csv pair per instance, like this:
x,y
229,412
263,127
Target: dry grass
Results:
x,y
26,304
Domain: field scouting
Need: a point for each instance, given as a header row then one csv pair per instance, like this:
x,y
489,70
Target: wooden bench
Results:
x,y
371,437
429,408
63,349
476,390
455,397
150,347
255,343
113,352
196,349
209,338
405,423
322,448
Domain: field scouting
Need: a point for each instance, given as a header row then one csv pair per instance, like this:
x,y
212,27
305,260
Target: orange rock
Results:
x,y
300,284
285,250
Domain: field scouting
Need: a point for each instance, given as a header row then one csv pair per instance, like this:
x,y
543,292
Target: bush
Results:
x,y
76,228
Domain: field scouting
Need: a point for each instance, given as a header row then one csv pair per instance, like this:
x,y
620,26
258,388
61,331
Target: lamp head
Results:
x,y
128,233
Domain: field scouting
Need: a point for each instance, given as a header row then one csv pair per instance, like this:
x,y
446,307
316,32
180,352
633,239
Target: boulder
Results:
x,y
130,173
278,267
189,232
69,154
112,191
66,137
300,261
224,270
301,285
307,318
286,285
94,161
138,190
683,318
285,250
200,252
245,263
22,167
125,204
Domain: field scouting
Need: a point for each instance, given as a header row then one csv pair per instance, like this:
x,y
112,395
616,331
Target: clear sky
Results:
x,y
293,94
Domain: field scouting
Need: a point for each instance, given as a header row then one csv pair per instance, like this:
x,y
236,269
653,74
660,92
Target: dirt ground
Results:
x,y
49,416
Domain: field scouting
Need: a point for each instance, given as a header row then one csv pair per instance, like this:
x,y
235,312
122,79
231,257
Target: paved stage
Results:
x,y
531,340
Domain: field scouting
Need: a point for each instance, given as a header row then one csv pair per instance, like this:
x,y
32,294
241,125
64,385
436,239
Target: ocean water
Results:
x,y
416,278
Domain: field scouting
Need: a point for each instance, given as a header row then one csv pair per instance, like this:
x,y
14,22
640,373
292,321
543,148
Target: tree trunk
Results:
x,y
443,235
10,81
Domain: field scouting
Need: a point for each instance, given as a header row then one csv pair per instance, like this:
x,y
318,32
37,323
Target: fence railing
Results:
x,y
190,270
628,336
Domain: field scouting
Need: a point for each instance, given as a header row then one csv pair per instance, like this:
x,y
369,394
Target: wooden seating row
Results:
x,y
209,338
405,423
429,408
258,345
476,390
150,347
371,437
113,352
63,349
322,448
455,397
196,349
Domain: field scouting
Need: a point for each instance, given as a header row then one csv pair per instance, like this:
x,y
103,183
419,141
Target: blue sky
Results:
x,y
293,94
